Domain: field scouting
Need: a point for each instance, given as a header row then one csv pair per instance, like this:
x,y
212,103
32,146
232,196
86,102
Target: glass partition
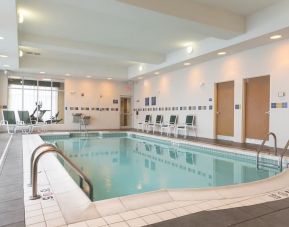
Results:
x,y
44,100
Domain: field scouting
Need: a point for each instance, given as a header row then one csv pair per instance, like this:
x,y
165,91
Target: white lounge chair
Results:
x,y
12,125
171,126
157,124
189,124
25,119
144,124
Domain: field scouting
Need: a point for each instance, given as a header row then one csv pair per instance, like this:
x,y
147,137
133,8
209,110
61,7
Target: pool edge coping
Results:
x,y
188,193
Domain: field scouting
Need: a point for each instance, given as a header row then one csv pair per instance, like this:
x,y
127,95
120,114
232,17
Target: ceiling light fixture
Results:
x,y
42,72
189,49
140,68
157,73
7,66
20,53
1,37
15,77
276,37
222,53
109,78
46,79
3,56
140,78
88,76
187,63
67,74
20,18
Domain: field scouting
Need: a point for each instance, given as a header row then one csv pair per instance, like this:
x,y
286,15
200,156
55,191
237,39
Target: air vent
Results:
x,y
33,53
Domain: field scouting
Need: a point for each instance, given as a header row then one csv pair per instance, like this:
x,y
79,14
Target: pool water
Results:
x,y
123,164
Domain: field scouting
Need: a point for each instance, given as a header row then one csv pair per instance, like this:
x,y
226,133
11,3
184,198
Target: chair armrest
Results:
x,y
20,123
3,122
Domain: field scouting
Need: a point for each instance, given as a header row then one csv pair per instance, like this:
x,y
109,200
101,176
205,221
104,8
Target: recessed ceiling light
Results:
x,y
46,79
1,37
140,68
222,53
189,49
20,18
140,78
109,78
42,72
276,37
157,73
20,53
88,76
3,56
15,77
187,63
7,66
67,74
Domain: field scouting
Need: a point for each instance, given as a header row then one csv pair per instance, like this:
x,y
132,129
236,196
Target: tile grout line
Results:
x,y
3,157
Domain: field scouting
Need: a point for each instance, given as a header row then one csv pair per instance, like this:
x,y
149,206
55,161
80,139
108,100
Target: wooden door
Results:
x,y
225,109
257,106
125,112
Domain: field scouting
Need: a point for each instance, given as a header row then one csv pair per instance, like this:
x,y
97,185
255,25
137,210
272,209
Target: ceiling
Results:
x,y
242,7
105,38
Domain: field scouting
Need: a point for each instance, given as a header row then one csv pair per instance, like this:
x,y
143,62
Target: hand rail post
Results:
x,y
54,149
32,158
262,145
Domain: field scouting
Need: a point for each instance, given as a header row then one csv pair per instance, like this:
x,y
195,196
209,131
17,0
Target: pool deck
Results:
x,y
263,203
11,183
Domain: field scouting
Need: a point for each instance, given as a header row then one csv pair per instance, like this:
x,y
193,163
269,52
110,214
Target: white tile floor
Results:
x,y
114,213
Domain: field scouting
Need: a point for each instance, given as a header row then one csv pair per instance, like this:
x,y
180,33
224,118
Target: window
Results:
x,y
44,100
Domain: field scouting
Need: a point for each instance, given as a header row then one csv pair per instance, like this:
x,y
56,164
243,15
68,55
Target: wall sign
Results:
x,y
115,101
154,100
147,101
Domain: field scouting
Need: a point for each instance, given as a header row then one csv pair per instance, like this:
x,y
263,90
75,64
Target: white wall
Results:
x,y
3,90
97,93
182,88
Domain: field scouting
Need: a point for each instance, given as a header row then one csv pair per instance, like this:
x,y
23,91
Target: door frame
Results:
x,y
215,135
120,113
244,90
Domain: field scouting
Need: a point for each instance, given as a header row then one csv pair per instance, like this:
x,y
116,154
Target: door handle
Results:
x,y
268,112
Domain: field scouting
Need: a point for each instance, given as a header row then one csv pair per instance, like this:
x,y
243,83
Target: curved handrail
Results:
x,y
54,149
33,155
283,153
264,141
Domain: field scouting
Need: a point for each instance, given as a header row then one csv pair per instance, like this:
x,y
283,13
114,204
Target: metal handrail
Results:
x,y
263,143
32,158
283,153
54,149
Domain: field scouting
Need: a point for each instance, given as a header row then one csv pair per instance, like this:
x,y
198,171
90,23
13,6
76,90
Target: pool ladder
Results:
x,y
260,149
51,148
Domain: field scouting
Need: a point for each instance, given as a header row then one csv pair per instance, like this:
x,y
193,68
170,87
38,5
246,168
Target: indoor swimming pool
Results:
x,y
120,164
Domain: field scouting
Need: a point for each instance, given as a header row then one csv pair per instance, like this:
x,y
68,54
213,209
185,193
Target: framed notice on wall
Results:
x,y
154,100
147,101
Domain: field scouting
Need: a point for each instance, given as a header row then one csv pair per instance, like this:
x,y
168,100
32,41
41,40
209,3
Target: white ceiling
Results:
x,y
242,7
8,30
104,38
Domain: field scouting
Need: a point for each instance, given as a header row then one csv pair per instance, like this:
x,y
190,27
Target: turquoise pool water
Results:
x,y
121,164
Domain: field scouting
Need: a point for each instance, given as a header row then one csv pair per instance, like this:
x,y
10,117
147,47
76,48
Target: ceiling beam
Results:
x,y
229,23
89,50
51,66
